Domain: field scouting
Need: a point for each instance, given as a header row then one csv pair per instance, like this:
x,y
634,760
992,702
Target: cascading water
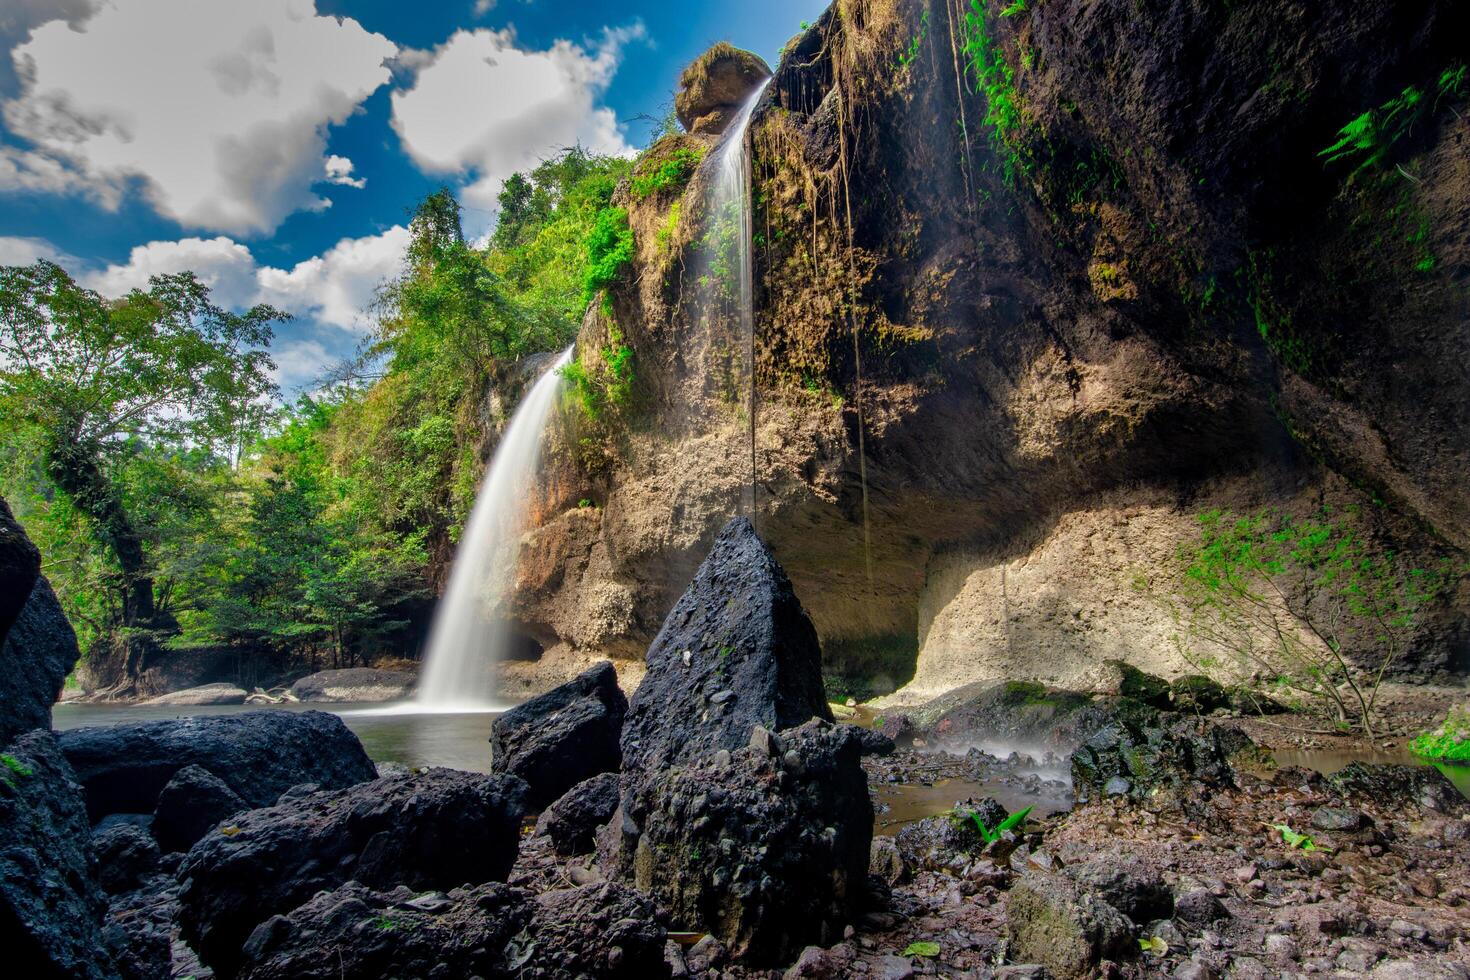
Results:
x,y
470,636
730,192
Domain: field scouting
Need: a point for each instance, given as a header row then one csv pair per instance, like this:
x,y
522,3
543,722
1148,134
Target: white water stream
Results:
x,y
470,635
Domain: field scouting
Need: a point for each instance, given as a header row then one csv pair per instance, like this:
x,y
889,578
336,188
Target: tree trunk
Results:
x,y
75,464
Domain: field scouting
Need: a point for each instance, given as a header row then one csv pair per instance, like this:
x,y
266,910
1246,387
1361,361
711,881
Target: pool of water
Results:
x,y
389,732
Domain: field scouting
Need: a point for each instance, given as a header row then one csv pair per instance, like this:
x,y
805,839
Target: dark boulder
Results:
x,y
737,651
40,649
192,804
50,906
1197,694
572,821
603,932
1126,680
1127,885
126,855
1397,785
766,848
950,841
563,737
1020,714
259,755
1133,757
1052,922
138,930
435,829
356,933
20,563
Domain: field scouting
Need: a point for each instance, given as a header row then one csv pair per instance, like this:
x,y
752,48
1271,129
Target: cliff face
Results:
x,y
1069,273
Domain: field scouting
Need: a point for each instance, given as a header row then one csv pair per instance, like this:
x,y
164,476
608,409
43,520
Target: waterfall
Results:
x,y
470,635
731,192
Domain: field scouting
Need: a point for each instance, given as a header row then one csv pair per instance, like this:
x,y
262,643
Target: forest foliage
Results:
x,y
144,448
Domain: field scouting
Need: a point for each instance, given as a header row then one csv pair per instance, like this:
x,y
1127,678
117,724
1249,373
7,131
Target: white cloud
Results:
x,y
299,363
25,251
220,108
483,7
339,171
332,289
483,108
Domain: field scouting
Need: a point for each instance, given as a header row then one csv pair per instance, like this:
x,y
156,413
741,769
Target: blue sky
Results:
x,y
276,146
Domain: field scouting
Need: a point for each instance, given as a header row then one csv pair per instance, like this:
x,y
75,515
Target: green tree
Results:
x,y
161,367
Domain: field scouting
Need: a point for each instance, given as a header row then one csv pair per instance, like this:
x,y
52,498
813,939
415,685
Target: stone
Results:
x,y
1281,949
1163,753
1419,970
354,685
1199,907
745,631
1127,885
206,694
1398,785
39,651
20,564
193,803
572,821
1125,680
431,830
891,967
603,932
138,930
1025,714
50,905
938,843
126,854
563,737
1336,819
258,754
1197,694
765,859
714,87
1052,922
885,861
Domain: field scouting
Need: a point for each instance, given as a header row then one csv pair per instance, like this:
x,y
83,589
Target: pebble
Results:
x,y
1334,819
1246,873
893,967
1194,970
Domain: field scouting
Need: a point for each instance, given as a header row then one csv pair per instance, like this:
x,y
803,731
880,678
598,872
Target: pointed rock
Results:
x,y
739,628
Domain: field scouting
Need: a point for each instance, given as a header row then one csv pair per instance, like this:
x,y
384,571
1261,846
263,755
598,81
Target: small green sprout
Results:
x,y
1009,823
922,948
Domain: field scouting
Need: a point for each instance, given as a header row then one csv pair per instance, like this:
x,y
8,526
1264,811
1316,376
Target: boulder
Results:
x,y
1421,786
1197,694
1125,680
572,821
259,755
434,829
715,86
205,695
126,854
50,906
737,651
1127,885
20,563
1052,922
1135,757
138,931
766,848
562,737
599,932
356,933
354,685
1020,714
192,804
40,649
947,842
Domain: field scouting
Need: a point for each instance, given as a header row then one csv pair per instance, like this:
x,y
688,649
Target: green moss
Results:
x,y
670,172
667,233
1448,743
13,768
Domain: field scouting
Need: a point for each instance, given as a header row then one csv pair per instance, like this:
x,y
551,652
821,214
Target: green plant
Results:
x,y
669,229
991,75
1018,7
1368,138
909,55
609,247
990,836
1450,742
13,768
922,948
1294,840
1154,945
674,170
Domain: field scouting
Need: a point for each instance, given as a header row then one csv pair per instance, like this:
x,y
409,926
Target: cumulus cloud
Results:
x,y
225,266
482,107
339,171
25,251
217,109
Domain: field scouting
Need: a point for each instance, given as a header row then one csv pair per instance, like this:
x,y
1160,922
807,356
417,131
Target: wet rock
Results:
x,y
572,821
192,804
939,843
738,627
258,754
1336,819
1052,922
20,563
1125,680
39,650
355,933
1421,786
715,86
435,829
204,695
1130,887
1017,713
562,737
1150,755
50,906
126,854
354,685
766,859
